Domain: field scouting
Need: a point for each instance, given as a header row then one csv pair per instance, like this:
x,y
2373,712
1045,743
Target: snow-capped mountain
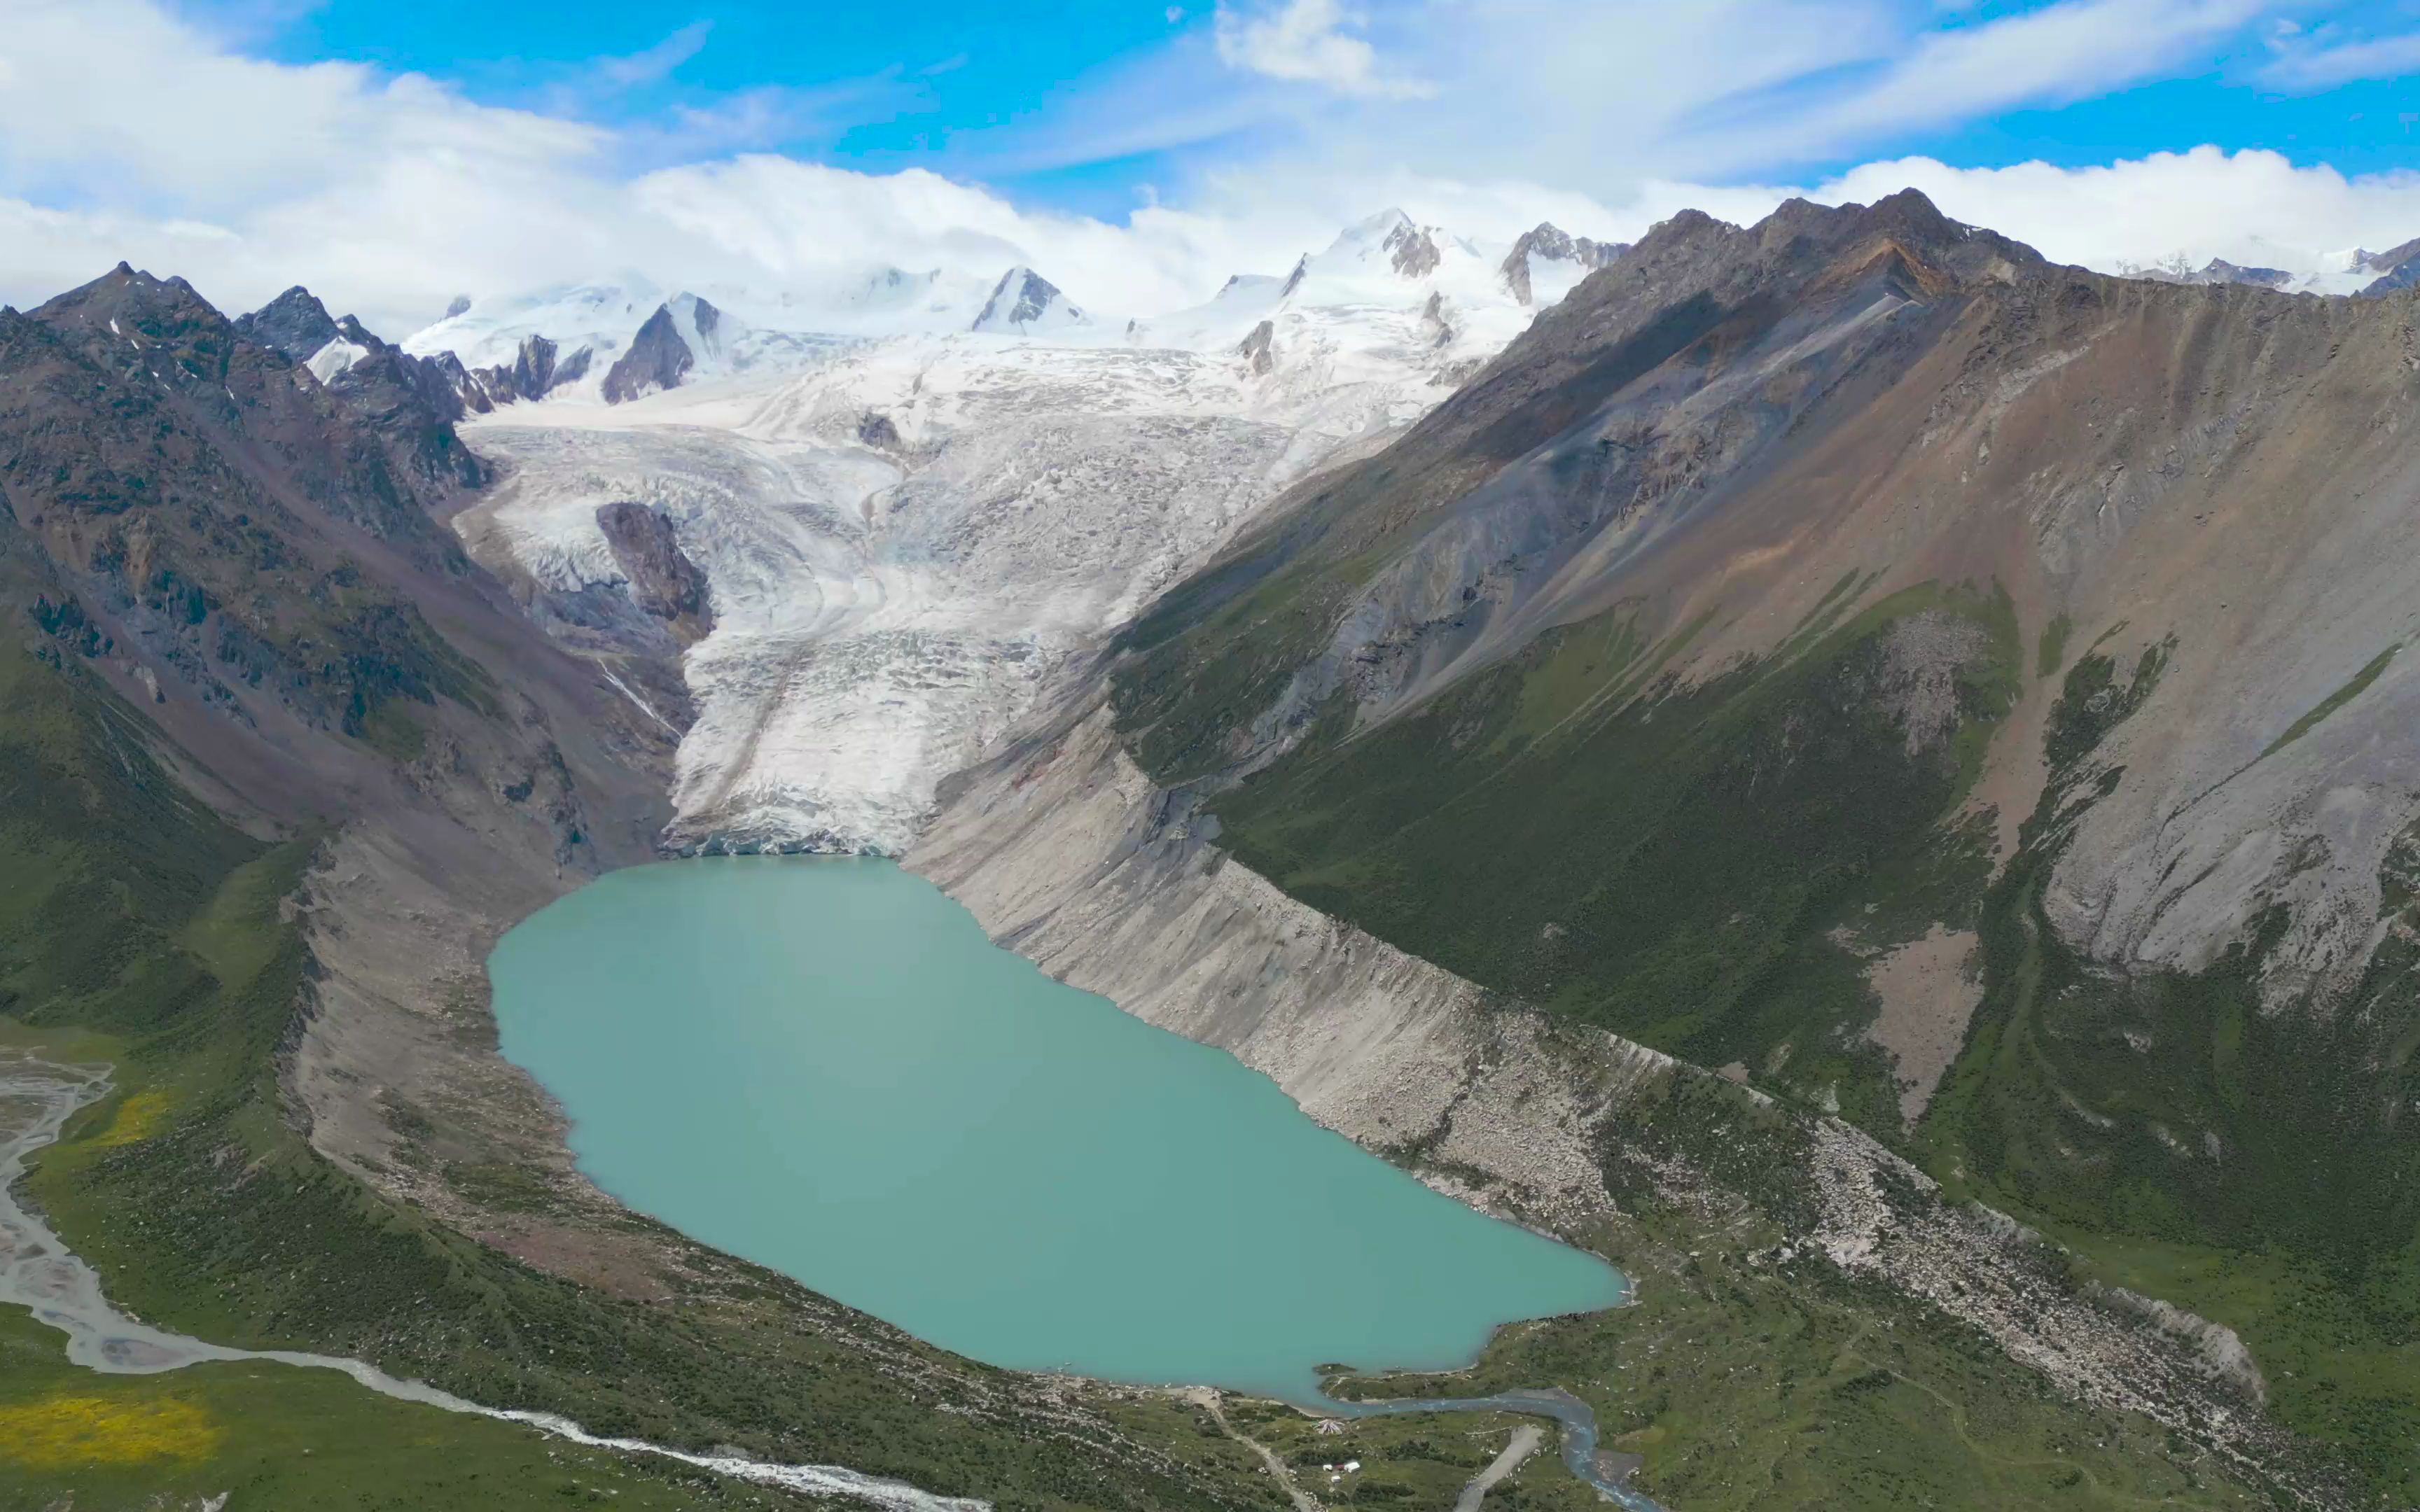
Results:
x,y
1548,262
581,327
2294,271
1024,303
913,495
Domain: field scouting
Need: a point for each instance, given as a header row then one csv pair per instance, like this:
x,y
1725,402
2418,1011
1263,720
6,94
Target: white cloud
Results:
x,y
654,64
2309,63
389,195
2258,208
119,99
1310,41
2052,55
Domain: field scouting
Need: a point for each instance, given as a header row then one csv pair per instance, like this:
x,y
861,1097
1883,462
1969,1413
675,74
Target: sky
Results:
x,y
1139,151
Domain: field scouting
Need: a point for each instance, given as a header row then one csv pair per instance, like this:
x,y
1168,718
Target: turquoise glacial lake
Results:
x,y
823,1065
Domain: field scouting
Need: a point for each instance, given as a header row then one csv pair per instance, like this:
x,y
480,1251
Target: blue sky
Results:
x,y
873,87
1007,93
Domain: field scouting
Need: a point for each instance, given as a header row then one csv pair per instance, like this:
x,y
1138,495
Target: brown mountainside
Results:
x,y
1964,693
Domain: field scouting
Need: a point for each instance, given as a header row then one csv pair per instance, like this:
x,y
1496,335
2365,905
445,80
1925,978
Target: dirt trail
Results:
x,y
1525,1440
1303,1501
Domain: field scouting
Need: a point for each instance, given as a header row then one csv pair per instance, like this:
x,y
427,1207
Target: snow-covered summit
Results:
x,y
1389,299
600,318
1547,262
1024,303
2265,264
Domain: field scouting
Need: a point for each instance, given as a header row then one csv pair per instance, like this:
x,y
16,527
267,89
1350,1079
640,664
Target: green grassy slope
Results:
x,y
1688,866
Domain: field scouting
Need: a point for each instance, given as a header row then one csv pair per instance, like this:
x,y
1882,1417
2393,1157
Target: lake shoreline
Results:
x,y
819,998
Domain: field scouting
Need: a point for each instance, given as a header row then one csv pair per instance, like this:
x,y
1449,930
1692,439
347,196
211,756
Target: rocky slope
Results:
x,y
1794,606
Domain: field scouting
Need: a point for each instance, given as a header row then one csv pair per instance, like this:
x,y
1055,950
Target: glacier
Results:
x,y
906,533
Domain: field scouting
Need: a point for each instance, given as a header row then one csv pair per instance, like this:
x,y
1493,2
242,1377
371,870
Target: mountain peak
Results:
x,y
295,325
1526,266
1025,300
683,333
1389,236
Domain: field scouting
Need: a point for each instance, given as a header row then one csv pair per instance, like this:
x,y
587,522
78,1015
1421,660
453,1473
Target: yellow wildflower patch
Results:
x,y
138,1117
72,1432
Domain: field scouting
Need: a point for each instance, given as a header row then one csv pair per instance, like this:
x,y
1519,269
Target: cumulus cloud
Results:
x,y
122,100
2255,208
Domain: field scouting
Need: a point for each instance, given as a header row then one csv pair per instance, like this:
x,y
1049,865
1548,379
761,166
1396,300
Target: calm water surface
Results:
x,y
823,1065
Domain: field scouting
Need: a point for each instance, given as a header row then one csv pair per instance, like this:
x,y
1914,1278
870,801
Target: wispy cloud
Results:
x,y
2050,55
2309,62
1310,41
652,65
653,122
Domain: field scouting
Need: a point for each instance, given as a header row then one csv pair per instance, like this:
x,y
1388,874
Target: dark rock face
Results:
x,y
1434,322
877,431
2221,272
1020,298
535,372
237,529
657,358
295,325
467,390
1255,350
1293,280
188,515
412,401
663,580
1411,251
2396,267
1551,241
532,371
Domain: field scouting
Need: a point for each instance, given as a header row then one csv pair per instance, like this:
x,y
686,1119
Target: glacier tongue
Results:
x,y
884,607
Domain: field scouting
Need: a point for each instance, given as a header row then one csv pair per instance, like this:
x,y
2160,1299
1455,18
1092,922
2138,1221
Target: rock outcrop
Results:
x,y
665,583
1257,349
658,357
1024,302
1547,243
